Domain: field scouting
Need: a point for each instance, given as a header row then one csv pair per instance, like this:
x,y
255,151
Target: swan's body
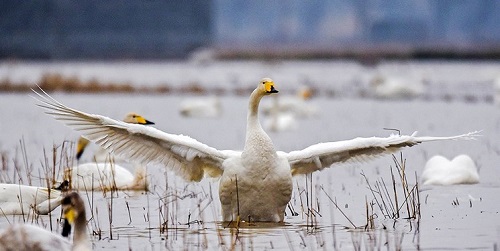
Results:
x,y
106,176
394,87
22,199
297,105
280,122
209,107
25,237
441,171
103,172
256,183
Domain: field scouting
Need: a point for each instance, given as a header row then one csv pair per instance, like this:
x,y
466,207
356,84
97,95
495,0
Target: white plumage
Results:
x,y
25,237
256,183
441,171
22,199
396,87
207,107
103,172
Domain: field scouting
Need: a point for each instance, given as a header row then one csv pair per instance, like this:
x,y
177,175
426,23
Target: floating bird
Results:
x,y
25,237
208,107
103,173
394,87
296,105
256,183
279,121
441,171
22,199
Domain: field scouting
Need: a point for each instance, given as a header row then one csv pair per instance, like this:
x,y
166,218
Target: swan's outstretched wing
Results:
x,y
186,156
323,155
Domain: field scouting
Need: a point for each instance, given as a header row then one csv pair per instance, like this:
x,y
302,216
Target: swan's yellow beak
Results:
x,y
80,147
141,120
69,214
135,118
269,86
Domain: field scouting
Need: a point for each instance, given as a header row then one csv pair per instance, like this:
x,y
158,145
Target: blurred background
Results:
x,y
373,48
155,29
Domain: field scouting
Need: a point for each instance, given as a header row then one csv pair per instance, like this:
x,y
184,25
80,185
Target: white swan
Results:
x,y
255,183
297,105
395,87
103,173
279,121
208,107
22,199
440,171
25,237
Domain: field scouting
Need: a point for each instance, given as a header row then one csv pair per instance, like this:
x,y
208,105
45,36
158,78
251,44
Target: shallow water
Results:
x,y
179,215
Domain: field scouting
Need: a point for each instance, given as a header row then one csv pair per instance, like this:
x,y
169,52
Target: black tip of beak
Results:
x,y
66,228
273,90
79,155
149,122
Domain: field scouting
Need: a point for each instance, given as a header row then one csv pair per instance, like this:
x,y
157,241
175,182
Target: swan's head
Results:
x,y
135,118
266,86
72,209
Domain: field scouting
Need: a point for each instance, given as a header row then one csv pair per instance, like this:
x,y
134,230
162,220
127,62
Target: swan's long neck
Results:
x,y
258,143
80,237
253,110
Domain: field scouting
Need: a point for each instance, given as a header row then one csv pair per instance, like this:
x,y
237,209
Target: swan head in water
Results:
x,y
267,86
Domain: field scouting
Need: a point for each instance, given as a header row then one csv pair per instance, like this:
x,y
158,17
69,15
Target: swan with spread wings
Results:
x,y
256,183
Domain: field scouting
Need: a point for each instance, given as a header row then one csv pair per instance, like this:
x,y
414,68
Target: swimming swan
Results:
x,y
256,183
24,237
104,173
201,107
18,199
439,170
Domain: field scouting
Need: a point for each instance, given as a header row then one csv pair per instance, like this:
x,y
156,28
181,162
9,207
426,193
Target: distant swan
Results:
x,y
280,121
256,183
104,173
296,105
25,237
441,171
395,87
22,199
206,107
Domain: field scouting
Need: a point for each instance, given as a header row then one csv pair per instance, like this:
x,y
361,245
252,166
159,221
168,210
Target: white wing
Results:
x,y
323,155
187,157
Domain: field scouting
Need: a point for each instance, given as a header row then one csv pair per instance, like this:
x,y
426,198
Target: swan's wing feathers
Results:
x,y
186,156
323,155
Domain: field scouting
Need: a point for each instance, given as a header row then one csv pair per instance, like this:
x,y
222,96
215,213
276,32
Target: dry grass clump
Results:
x,y
57,82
